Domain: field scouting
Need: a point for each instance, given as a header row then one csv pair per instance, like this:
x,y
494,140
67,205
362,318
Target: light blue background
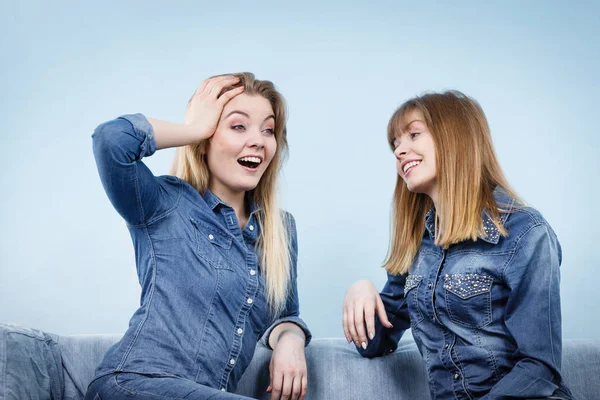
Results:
x,y
66,261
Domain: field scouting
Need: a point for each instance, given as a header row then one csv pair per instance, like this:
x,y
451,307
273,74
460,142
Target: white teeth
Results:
x,y
251,159
410,165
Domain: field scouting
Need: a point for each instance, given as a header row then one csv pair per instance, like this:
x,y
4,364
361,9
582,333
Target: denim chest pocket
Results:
x,y
468,298
213,245
411,291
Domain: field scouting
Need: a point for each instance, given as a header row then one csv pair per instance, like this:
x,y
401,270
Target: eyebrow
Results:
x,y
245,114
411,122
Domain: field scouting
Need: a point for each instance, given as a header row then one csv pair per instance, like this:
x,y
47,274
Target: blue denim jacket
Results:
x,y
203,303
485,314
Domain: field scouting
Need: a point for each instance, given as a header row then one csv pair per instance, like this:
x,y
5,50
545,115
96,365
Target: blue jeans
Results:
x,y
136,386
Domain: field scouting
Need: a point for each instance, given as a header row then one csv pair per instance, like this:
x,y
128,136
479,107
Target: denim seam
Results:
x,y
149,305
460,368
219,264
416,301
488,310
137,193
514,248
164,214
431,386
491,355
121,387
211,312
486,252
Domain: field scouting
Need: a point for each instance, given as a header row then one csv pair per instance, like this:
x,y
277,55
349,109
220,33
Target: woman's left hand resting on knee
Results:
x,y
288,362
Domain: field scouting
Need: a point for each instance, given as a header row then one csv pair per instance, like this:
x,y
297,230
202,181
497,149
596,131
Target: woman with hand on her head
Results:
x,y
471,269
215,256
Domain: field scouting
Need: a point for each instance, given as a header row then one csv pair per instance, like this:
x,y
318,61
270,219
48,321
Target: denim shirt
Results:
x,y
485,314
203,303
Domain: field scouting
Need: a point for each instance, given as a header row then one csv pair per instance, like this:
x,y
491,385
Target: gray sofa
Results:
x,y
38,365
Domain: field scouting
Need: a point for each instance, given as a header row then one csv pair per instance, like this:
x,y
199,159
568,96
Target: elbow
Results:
x,y
107,140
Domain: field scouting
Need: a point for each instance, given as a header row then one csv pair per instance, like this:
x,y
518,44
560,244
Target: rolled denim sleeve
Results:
x,y
119,146
533,317
291,312
386,339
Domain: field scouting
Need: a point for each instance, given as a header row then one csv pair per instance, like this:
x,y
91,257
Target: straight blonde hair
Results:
x,y
190,165
468,172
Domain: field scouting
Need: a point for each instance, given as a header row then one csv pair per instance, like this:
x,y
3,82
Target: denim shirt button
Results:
x,y
252,272
456,376
232,361
430,286
211,237
222,389
240,331
446,345
251,227
249,301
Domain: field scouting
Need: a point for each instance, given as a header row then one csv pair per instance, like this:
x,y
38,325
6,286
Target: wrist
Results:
x,y
288,332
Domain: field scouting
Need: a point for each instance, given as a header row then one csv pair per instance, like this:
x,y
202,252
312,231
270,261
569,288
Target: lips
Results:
x,y
408,165
250,162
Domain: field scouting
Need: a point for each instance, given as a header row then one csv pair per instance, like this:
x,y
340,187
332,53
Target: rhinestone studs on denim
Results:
x,y
490,229
467,285
412,281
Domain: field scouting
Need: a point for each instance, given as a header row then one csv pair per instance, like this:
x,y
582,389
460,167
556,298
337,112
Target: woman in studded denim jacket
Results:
x,y
472,270
216,258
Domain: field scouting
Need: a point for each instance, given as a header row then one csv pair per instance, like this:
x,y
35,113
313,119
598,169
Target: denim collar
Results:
x,y
214,201
490,233
251,229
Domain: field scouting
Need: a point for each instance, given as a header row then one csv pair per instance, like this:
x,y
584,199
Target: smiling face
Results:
x,y
242,146
415,155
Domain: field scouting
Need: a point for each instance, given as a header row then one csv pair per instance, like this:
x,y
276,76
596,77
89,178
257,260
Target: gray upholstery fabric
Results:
x,y
30,368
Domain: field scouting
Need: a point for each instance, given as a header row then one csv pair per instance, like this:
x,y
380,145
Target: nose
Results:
x,y
401,151
256,139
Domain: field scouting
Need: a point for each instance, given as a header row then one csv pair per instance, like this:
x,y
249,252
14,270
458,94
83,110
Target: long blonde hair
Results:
x,y
190,165
468,172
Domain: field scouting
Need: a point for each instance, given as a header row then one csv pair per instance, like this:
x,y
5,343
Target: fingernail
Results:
x,y
371,335
364,345
269,388
348,339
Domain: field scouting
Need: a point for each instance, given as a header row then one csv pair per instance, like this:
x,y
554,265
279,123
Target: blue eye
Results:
x,y
270,131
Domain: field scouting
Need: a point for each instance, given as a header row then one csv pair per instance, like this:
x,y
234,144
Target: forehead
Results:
x,y
411,119
255,105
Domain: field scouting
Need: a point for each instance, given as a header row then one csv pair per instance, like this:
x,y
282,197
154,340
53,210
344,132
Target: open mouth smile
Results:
x,y
250,162
409,166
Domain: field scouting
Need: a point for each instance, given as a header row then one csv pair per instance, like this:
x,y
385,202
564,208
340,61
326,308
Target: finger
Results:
x,y
352,327
219,83
276,385
304,386
345,326
296,387
370,319
203,86
382,314
230,94
286,389
359,323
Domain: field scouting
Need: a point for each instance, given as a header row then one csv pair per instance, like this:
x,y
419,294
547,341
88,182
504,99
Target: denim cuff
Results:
x,y
30,364
296,320
144,132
